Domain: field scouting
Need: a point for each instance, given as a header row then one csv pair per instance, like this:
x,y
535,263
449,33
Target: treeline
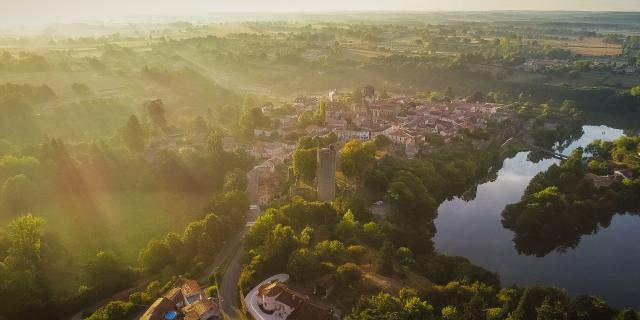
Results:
x,y
34,94
478,301
23,62
562,204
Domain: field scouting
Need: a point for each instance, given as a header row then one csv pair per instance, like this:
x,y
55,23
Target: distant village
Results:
x,y
410,123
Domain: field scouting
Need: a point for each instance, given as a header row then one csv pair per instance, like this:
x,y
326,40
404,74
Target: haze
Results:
x,y
29,12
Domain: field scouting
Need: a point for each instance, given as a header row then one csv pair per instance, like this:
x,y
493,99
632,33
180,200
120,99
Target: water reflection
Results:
x,y
604,264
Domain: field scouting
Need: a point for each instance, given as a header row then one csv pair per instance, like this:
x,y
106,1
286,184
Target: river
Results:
x,y
606,264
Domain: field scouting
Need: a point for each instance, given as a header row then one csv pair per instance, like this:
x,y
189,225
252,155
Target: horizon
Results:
x,y
32,13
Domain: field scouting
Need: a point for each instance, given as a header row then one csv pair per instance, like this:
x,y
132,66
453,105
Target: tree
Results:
x,y
409,195
333,250
217,227
133,135
635,91
384,306
23,283
449,313
349,273
306,235
114,310
385,261
106,272
18,195
214,144
232,204
305,163
80,88
628,314
25,235
347,228
236,179
254,118
372,233
156,114
155,256
303,264
281,243
550,310
356,157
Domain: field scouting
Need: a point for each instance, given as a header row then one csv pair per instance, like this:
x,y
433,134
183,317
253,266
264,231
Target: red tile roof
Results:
x,y
190,287
158,309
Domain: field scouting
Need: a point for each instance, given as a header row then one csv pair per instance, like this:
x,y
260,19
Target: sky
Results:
x,y
23,12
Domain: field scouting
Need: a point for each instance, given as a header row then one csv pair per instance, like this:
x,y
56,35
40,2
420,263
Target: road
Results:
x,y
232,252
229,282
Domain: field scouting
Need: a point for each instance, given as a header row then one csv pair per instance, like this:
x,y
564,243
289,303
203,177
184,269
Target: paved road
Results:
x,y
229,281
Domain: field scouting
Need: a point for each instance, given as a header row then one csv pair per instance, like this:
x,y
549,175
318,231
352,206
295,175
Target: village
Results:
x,y
411,124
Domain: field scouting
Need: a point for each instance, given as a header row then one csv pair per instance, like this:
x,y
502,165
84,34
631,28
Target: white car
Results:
x,y
253,207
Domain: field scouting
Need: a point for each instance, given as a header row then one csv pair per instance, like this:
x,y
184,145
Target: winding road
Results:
x,y
229,298
230,255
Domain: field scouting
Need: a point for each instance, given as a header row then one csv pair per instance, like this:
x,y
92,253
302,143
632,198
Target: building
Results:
x,y
622,174
353,134
600,181
280,301
369,93
264,182
186,300
326,173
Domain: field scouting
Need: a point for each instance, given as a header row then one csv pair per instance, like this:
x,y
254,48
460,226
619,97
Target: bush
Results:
x,y
140,298
212,291
349,273
212,277
114,310
355,252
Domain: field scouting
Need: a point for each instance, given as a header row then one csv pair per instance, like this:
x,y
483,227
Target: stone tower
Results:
x,y
326,173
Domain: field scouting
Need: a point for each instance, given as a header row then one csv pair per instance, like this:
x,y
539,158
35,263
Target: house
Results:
x,y
600,181
159,309
622,174
399,135
263,182
279,300
186,300
353,134
335,123
260,132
